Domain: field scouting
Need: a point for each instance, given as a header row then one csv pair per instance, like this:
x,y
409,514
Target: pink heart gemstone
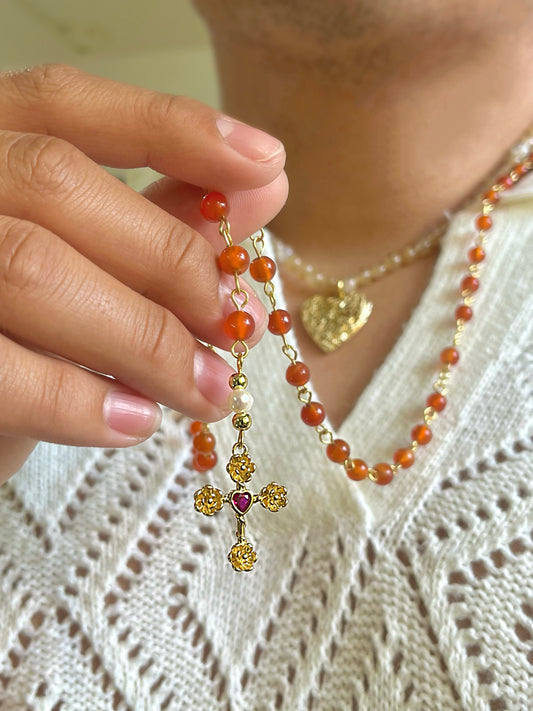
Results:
x,y
241,500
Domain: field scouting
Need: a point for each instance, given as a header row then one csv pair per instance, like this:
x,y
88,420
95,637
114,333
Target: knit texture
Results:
x,y
116,594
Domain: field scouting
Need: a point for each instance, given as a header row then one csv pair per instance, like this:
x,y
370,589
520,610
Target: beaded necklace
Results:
x,y
239,326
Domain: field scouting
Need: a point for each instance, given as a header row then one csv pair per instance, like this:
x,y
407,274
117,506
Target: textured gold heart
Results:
x,y
332,320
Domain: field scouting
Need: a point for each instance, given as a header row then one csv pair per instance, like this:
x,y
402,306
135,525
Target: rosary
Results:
x,y
239,326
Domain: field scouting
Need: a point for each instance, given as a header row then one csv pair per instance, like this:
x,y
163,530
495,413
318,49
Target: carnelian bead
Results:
x,y
214,206
196,427
476,255
239,325
436,401
384,474
404,457
356,469
492,196
484,222
203,461
279,322
338,451
262,269
470,283
313,414
421,434
449,356
463,312
234,259
204,442
297,374
505,182
521,169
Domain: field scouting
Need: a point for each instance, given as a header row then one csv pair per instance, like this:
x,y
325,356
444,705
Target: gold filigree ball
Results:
x,y
242,421
208,500
273,496
240,467
242,556
238,380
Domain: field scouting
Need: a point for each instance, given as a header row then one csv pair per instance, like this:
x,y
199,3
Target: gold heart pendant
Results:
x,y
332,320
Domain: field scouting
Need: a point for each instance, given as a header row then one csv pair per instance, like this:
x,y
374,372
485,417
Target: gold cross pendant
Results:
x,y
208,500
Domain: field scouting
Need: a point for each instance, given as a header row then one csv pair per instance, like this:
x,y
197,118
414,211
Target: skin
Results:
x,y
390,112
94,274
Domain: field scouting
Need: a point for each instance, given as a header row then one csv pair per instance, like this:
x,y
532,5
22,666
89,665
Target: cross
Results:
x,y
209,500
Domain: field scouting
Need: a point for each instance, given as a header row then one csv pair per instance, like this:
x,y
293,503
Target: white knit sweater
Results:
x,y
116,594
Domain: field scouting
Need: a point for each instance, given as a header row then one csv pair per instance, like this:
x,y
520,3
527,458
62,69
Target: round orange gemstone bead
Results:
x,y
404,457
279,322
204,442
234,259
476,255
384,474
239,325
262,269
491,196
521,169
338,451
449,356
196,427
421,434
313,414
436,401
470,284
484,222
297,374
356,469
505,181
203,461
464,312
214,206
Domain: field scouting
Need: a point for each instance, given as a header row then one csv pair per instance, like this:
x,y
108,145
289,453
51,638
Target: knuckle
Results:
x,y
46,165
153,335
179,250
48,394
25,257
161,109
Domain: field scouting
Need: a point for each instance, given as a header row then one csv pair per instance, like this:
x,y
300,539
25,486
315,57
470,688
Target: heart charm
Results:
x,y
332,320
241,501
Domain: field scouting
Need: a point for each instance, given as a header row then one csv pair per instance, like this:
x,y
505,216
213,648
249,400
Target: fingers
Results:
x,y
124,126
49,399
60,302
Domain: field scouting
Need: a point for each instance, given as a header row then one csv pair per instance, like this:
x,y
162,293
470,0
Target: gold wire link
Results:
x,y
239,447
288,350
468,300
372,474
414,446
304,394
474,270
241,528
239,305
258,242
235,353
395,468
430,414
324,435
224,231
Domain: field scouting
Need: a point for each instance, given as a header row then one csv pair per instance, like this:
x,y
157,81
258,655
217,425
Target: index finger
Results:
x,y
125,126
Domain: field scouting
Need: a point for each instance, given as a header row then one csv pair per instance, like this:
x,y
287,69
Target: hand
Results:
x,y
94,274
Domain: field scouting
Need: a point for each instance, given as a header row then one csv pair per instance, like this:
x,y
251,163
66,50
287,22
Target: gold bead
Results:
x,y
238,380
242,421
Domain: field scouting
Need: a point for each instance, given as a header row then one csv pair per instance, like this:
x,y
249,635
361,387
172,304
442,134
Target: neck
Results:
x,y
374,159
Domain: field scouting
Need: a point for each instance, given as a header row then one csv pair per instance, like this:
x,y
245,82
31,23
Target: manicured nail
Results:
x,y
211,375
249,142
130,414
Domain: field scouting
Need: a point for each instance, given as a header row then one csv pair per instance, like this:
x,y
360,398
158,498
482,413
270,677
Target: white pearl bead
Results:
x,y
240,400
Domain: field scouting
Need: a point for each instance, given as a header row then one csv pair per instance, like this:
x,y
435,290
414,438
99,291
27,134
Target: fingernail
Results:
x,y
249,142
211,375
130,414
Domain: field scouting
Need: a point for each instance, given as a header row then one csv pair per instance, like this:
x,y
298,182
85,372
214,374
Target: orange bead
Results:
x,y
239,325
384,474
234,259
204,461
521,169
470,283
421,434
214,206
505,181
404,457
484,222
279,322
491,196
476,255
338,451
196,427
313,414
262,269
463,312
449,356
297,374
204,442
356,469
436,401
